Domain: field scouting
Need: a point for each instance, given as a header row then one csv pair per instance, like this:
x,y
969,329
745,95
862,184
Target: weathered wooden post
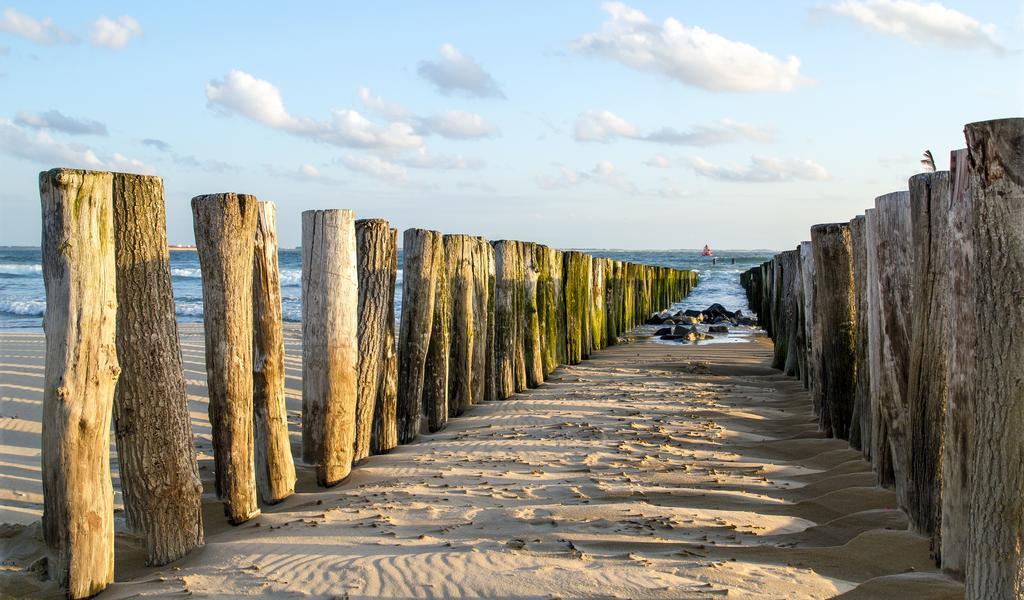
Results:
x,y
881,450
275,470
995,563
597,307
834,312
384,435
480,319
81,373
533,350
419,290
225,231
547,305
860,432
330,342
556,267
613,292
508,294
160,482
458,258
895,264
375,265
577,292
957,449
490,371
435,371
926,393
786,311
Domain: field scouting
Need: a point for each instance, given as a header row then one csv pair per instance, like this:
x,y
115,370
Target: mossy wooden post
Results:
x,y
533,349
490,371
80,375
478,269
895,264
881,450
926,392
860,432
577,293
557,269
834,310
995,563
159,477
520,319
613,288
435,373
587,304
547,299
958,443
330,342
419,289
375,267
458,259
508,293
598,328
275,470
225,232
384,435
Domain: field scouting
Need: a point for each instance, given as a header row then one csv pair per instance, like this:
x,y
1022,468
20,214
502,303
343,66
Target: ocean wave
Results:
x,y
188,309
23,308
186,273
20,269
289,277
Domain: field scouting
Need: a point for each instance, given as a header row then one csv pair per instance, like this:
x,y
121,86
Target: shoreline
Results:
x,y
641,472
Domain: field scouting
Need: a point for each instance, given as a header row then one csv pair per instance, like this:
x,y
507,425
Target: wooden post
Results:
x,y
375,263
330,342
275,471
419,290
895,264
547,303
995,563
576,293
834,313
478,267
435,372
613,292
160,482
957,449
225,231
490,374
508,292
598,328
786,311
384,435
860,432
557,268
881,449
458,259
80,376
533,350
926,393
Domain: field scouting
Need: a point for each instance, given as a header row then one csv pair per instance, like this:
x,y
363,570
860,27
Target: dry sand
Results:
x,y
641,473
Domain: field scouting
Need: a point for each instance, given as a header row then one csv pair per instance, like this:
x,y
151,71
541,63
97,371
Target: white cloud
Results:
x,y
304,173
423,160
57,121
566,177
160,145
243,94
919,22
458,125
457,73
40,148
690,55
658,162
382,107
763,169
605,126
603,173
114,33
40,31
377,167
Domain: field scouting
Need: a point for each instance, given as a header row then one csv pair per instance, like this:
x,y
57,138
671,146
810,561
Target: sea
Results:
x,y
23,299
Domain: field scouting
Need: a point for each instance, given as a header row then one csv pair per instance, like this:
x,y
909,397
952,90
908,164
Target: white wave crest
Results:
x,y
23,308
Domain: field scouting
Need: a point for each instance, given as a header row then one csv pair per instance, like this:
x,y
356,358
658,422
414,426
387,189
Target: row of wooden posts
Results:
x,y
480,321
905,324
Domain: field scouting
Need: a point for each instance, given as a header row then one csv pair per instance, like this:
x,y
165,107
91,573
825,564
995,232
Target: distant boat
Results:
x,y
706,251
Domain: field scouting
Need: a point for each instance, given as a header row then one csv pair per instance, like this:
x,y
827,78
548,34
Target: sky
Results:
x,y
641,125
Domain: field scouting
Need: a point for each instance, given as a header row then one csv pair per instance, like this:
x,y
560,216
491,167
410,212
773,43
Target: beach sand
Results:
x,y
650,471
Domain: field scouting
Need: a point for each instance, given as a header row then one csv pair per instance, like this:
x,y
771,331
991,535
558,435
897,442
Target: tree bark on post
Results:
x,y
478,269
435,372
862,390
80,376
330,342
375,262
508,292
557,268
275,470
577,291
458,259
926,393
995,564
384,435
881,449
160,483
957,448
895,264
547,301
225,231
597,299
490,373
835,312
533,360
419,289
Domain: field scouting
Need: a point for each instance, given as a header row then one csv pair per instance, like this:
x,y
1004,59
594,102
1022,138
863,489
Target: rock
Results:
x,y
696,314
718,329
671,337
680,330
654,320
664,331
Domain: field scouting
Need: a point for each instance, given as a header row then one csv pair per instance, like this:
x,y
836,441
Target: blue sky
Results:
x,y
577,124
